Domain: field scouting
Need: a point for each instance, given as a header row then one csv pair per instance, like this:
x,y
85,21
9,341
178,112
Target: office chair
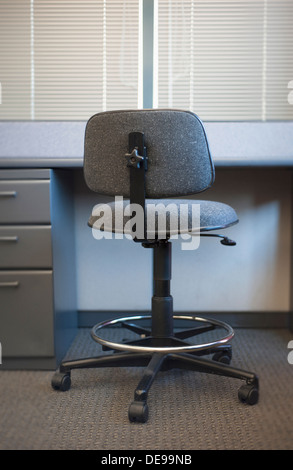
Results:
x,y
151,156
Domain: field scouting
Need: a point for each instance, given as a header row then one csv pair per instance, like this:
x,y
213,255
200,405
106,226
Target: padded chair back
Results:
x,y
179,161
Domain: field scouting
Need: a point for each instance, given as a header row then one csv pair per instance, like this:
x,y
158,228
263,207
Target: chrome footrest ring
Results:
x,y
165,350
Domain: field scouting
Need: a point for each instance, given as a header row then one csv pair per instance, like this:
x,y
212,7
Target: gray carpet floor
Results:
x,y
188,410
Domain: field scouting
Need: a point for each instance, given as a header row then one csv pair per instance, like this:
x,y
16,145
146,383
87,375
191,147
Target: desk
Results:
x,y
257,184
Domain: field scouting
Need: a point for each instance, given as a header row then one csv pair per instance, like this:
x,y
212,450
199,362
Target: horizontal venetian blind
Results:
x,y
78,58
224,59
15,59
279,58
68,59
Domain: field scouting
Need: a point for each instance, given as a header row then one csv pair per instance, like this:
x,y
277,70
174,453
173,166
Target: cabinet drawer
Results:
x,y
25,247
24,201
26,314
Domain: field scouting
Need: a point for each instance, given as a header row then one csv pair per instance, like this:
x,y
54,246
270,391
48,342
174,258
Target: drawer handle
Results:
x,y
13,238
8,193
9,284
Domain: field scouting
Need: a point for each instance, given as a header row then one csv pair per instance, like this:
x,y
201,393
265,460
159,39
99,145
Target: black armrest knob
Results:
x,y
227,241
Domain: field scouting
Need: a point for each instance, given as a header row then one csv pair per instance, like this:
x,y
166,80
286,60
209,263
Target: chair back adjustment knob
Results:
x,y
134,159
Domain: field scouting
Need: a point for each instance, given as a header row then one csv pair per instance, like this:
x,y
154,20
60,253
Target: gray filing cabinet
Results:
x,y
37,304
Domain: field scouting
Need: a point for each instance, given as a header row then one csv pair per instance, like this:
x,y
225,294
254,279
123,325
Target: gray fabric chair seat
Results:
x,y
179,214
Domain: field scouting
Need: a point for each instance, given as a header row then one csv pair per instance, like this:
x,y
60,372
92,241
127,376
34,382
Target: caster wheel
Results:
x,y
138,412
224,357
248,394
61,381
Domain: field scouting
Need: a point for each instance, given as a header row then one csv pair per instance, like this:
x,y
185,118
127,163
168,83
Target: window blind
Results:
x,y
224,59
67,59
15,59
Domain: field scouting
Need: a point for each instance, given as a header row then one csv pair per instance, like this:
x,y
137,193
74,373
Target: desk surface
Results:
x,y
38,144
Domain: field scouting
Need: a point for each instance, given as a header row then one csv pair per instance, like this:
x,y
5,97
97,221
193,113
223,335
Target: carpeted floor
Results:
x,y
187,410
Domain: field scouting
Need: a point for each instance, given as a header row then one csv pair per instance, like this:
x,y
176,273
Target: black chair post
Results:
x,y
162,301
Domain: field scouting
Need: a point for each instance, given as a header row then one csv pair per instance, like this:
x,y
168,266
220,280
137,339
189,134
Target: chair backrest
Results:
x,y
179,161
